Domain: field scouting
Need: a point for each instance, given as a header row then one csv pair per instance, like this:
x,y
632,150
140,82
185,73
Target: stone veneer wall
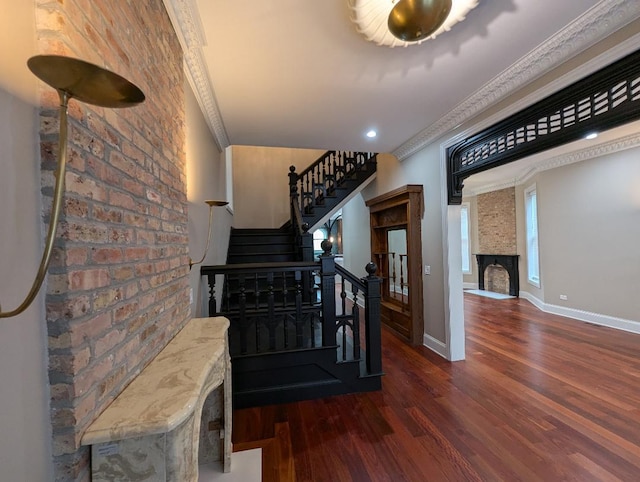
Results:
x,y
117,290
497,233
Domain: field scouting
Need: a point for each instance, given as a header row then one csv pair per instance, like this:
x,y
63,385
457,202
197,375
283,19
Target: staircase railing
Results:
x,y
273,309
312,188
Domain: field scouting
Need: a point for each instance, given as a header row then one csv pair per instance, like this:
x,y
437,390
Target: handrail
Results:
x,y
316,162
355,281
256,267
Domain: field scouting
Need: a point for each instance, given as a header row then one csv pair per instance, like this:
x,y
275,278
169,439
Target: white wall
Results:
x,y
25,443
356,236
205,180
261,183
589,228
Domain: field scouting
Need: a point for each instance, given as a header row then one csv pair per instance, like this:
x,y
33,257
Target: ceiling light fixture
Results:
x,y
371,134
400,23
591,135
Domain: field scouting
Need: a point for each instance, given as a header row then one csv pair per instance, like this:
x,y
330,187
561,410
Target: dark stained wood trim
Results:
x,y
411,198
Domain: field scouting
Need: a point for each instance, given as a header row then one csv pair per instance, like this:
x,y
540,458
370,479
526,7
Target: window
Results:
x,y
319,235
531,214
466,245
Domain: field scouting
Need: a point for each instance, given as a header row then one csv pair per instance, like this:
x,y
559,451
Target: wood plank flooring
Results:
x,y
539,398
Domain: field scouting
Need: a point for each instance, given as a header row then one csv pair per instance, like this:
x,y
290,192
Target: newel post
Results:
x,y
328,277
372,333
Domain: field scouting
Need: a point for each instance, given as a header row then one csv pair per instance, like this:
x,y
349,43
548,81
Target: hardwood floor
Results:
x,y
538,398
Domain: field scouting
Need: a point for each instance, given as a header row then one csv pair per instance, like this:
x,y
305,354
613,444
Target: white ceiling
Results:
x,y
296,73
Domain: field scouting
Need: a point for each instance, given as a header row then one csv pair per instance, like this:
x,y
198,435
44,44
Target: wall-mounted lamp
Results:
x,y
211,205
72,78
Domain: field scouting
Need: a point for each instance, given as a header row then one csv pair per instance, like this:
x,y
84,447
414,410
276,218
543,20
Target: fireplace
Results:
x,y
508,261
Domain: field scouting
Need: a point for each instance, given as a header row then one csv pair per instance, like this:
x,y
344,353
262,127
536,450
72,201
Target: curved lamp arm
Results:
x,y
88,83
206,249
55,212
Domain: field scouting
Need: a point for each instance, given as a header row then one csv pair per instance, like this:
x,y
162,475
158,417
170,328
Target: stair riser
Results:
x,y
259,248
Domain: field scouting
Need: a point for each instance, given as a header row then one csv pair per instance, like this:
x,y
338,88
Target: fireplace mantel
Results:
x,y
508,261
151,431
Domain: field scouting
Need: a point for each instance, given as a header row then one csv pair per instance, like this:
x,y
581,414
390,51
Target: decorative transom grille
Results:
x,y
603,100
587,108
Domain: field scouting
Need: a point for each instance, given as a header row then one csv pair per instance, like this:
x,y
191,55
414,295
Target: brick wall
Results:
x,y
497,233
117,291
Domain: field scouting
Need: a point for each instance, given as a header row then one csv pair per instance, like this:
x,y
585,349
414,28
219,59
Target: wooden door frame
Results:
x,y
410,196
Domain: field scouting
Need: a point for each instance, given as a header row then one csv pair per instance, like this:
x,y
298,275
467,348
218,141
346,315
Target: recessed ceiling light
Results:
x,y
371,134
591,135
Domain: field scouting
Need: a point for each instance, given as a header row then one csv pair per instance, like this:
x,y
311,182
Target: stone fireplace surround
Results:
x,y
152,430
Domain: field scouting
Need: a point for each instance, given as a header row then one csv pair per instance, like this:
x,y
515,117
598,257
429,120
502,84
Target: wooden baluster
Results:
x,y
285,289
343,325
242,307
298,316
211,281
228,297
285,317
402,279
256,291
293,192
271,312
393,278
355,329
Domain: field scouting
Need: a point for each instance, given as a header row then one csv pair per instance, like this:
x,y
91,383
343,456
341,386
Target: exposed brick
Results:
x,y
125,189
70,364
107,342
76,207
497,233
136,253
122,273
125,312
84,186
89,329
107,214
89,279
111,381
106,255
90,378
105,298
68,308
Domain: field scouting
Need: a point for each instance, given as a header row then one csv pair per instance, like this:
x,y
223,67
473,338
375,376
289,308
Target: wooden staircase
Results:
x,y
298,330
261,246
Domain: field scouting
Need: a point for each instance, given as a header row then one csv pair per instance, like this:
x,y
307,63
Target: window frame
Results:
x,y
532,236
465,207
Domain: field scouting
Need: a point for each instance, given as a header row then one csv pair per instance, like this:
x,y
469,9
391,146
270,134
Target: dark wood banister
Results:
x,y
316,187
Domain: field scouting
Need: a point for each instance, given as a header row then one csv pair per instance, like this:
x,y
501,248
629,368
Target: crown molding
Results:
x,y
185,18
594,25
623,143
490,188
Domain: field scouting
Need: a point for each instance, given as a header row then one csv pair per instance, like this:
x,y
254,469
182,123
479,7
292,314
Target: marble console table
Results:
x,y
151,431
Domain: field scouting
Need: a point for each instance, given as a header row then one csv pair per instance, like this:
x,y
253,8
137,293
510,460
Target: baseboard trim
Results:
x,y
581,315
436,346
